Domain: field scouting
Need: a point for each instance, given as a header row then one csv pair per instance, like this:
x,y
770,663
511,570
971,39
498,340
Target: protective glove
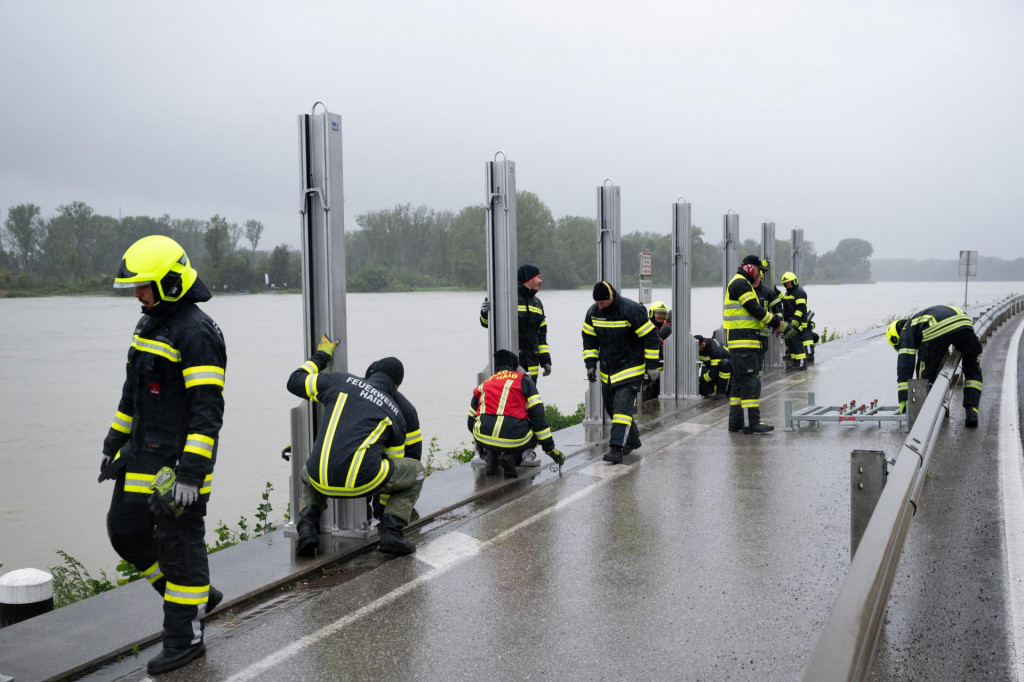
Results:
x,y
185,494
903,407
653,374
592,374
160,507
326,345
485,307
787,330
547,368
105,462
556,454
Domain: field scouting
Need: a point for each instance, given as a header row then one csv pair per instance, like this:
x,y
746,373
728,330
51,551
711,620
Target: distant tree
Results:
x,y
217,239
253,231
23,226
469,251
577,260
284,267
535,232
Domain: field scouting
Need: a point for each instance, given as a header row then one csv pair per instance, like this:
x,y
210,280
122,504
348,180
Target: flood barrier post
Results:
x,y
868,472
773,359
679,376
609,230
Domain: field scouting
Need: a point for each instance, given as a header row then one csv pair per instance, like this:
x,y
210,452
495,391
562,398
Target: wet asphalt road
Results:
x,y
706,556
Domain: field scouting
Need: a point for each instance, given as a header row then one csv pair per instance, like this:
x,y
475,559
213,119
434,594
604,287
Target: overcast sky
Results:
x,y
900,122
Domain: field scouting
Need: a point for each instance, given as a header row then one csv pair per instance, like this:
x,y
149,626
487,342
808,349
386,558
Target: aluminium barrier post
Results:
x,y
609,230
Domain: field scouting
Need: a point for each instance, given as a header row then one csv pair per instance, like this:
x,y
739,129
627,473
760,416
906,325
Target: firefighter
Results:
x,y
506,417
922,340
794,311
715,370
659,315
358,451
617,333
534,354
169,415
413,446
768,298
743,318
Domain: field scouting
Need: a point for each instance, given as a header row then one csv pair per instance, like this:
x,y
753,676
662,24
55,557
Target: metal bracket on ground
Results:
x,y
847,413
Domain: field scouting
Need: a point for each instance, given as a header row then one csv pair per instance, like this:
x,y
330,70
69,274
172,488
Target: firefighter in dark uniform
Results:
x,y
794,311
506,417
358,451
534,354
170,415
617,333
413,445
715,370
768,298
743,318
658,314
922,340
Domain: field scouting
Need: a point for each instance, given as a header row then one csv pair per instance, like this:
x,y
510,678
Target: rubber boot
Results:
x,y
391,539
614,455
171,659
213,601
491,458
309,532
735,418
508,464
971,421
755,425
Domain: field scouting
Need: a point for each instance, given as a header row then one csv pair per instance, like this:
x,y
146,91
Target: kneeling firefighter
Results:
x,y
358,451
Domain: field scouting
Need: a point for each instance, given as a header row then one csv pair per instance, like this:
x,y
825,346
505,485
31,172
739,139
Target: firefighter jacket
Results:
x,y
794,306
712,354
172,401
506,412
927,326
622,339
533,331
742,315
663,330
413,435
361,427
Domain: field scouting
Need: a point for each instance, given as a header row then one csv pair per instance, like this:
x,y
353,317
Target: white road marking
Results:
x,y
442,555
1012,490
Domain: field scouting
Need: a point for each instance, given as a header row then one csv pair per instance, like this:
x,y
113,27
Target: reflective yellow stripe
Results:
x,y
970,383
309,367
207,485
332,426
650,353
590,353
749,403
138,483
186,594
587,329
311,390
542,434
122,422
357,458
198,444
489,439
609,324
153,573
203,375
413,437
533,400
629,373
395,451
645,328
622,419
156,348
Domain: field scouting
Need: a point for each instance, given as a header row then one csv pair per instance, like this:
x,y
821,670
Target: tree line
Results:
x,y
396,249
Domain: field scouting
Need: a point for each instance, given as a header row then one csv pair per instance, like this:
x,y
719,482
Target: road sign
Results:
x,y
645,291
645,264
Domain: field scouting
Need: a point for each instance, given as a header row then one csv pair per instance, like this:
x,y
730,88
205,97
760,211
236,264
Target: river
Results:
x,y
62,359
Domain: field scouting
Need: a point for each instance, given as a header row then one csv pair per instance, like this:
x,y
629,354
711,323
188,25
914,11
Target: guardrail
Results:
x,y
848,642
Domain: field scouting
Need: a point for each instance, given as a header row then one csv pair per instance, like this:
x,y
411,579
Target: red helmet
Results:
x,y
751,270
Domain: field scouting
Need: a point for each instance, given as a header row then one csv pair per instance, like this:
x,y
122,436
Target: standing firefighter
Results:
x,y
534,354
617,333
659,315
164,438
743,318
922,340
769,299
715,370
794,310
506,417
358,451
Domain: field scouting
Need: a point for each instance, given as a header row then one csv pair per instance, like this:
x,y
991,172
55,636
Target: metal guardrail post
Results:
x,y
868,471
850,636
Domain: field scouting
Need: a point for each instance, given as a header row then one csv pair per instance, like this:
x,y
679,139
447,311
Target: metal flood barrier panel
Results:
x,y
848,641
609,231
679,377
773,357
500,234
322,210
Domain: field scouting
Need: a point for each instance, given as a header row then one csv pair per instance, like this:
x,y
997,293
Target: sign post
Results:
x,y
968,268
645,278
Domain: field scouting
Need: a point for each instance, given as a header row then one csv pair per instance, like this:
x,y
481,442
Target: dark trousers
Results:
x,y
931,353
171,554
745,388
620,403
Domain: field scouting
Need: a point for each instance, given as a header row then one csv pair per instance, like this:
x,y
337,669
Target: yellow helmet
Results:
x,y
657,307
892,333
159,260
789,277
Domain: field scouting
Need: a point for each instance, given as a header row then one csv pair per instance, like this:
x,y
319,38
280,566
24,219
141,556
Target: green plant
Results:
x,y
462,453
557,421
72,581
